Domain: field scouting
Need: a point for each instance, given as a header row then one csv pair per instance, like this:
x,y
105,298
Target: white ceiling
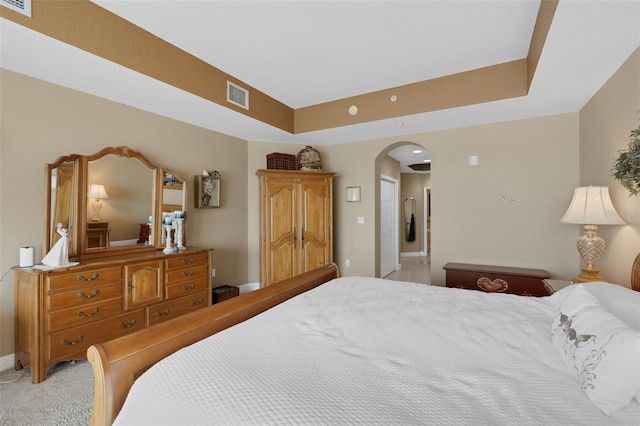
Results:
x,y
307,52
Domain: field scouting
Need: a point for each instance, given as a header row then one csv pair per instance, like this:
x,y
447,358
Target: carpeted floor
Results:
x,y
65,398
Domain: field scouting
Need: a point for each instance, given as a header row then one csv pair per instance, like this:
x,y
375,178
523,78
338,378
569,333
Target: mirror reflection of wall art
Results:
x,y
207,192
353,194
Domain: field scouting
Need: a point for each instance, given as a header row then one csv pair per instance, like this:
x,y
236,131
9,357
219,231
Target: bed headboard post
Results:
x,y
635,274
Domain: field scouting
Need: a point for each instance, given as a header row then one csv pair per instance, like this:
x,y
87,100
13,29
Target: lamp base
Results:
x,y
588,276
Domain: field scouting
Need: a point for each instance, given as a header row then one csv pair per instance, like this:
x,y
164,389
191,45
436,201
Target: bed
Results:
x,y
324,349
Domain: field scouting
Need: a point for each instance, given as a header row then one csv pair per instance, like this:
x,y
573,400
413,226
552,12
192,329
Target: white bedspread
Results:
x,y
369,351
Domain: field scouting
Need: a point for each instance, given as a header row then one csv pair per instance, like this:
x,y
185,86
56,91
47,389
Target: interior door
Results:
x,y
388,242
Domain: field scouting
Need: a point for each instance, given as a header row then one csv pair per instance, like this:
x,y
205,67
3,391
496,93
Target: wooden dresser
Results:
x,y
61,312
497,279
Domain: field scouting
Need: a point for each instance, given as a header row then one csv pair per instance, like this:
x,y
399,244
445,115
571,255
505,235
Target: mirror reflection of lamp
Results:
x,y
97,192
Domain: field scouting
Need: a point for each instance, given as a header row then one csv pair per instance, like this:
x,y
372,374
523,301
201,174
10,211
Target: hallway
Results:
x,y
415,269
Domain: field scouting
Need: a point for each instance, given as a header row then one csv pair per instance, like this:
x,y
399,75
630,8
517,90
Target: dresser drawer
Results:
x,y
186,287
189,273
81,315
84,295
188,260
73,342
95,277
176,307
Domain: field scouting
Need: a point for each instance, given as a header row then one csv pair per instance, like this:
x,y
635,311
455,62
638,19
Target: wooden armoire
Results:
x,y
296,222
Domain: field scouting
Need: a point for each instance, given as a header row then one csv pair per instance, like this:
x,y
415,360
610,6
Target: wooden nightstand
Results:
x,y
98,235
555,285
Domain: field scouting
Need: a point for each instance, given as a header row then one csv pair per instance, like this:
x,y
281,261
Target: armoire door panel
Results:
x,y
315,256
282,263
282,209
315,211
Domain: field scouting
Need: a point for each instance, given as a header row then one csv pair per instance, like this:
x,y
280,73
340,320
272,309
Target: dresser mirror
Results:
x,y
62,201
110,202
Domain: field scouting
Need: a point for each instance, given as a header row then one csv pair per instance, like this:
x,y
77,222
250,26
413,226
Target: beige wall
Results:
x,y
605,124
42,121
536,162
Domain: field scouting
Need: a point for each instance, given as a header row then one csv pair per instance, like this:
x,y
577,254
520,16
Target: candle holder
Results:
x,y
168,249
179,233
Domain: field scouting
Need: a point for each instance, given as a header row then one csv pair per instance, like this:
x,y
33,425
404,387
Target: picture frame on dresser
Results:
x,y
207,192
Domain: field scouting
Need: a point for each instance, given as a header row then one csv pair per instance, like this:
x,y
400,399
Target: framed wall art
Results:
x,y
207,192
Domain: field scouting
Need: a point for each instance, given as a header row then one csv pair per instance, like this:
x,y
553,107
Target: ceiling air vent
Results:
x,y
22,6
237,95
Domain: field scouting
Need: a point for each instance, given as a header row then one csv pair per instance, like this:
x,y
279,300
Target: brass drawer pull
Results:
x,y
131,324
95,311
188,262
162,314
93,277
191,287
197,302
188,273
75,342
81,295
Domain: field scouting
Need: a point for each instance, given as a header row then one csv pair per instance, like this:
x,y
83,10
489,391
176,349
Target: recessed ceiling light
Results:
x,y
353,110
393,98
400,124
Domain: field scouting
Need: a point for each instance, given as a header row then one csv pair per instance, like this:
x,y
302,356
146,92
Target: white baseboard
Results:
x,y
7,362
411,254
245,288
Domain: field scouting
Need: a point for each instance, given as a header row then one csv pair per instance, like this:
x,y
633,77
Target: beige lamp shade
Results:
x,y
592,205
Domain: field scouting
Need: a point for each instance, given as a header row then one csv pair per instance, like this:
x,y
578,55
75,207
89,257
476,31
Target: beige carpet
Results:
x,y
65,398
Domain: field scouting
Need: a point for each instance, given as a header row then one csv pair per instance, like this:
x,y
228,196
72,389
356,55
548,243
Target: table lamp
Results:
x,y
591,206
97,192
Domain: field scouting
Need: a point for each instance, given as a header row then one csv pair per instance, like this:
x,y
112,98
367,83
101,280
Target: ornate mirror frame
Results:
x,y
67,188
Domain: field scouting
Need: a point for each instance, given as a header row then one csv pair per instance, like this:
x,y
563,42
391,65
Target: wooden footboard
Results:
x,y
118,363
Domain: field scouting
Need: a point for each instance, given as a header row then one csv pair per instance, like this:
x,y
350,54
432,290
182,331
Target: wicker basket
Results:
x,y
222,293
280,161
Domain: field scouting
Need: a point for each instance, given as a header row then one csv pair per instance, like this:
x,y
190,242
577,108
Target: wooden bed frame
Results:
x,y
118,363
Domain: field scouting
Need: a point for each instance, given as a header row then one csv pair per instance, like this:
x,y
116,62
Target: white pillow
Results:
x,y
601,350
620,301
